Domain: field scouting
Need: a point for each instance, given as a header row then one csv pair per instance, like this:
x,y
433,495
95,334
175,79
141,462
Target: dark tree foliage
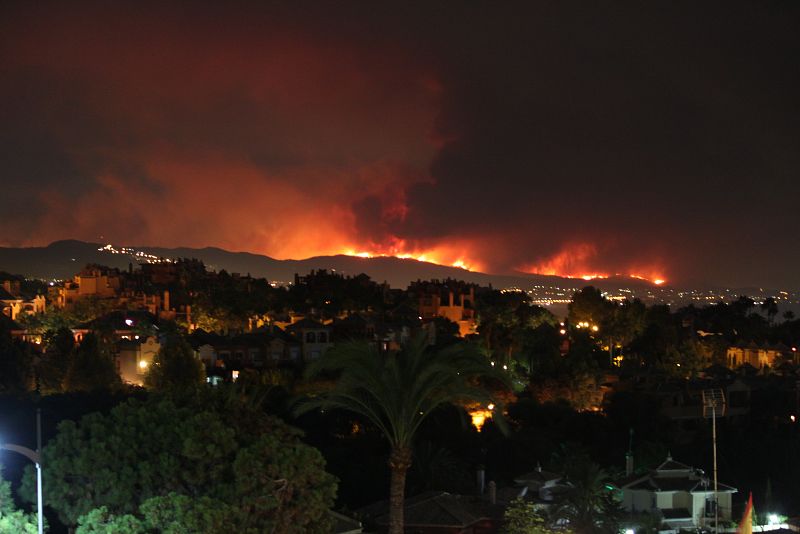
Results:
x,y
55,360
589,305
13,520
175,367
396,392
16,365
92,367
505,320
590,505
206,449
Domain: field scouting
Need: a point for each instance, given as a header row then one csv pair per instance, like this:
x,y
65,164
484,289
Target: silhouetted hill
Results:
x,y
62,259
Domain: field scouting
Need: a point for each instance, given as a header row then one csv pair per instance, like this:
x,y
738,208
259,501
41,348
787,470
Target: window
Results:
x,y
310,337
322,337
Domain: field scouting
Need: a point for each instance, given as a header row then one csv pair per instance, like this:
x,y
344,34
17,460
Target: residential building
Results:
x,y
314,337
759,356
681,495
92,281
15,305
451,299
271,347
544,484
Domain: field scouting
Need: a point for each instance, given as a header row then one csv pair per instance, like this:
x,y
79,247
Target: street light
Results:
x,y
34,456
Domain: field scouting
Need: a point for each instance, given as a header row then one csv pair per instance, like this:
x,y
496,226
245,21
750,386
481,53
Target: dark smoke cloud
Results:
x,y
654,138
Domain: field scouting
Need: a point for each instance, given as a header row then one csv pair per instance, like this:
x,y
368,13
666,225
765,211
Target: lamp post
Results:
x,y
36,458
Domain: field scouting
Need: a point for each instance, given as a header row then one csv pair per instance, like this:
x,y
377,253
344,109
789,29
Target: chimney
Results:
x,y
481,479
492,492
166,300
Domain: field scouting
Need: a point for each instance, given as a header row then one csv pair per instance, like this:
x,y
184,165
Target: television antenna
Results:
x,y
714,406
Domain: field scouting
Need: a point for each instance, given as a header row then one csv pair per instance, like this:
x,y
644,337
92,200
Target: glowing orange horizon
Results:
x,y
656,279
574,260
449,257
445,256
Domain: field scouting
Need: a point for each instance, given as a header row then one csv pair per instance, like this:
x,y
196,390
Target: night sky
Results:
x,y
651,138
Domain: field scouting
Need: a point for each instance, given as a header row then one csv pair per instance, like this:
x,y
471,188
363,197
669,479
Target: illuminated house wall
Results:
x,y
678,493
134,357
756,355
457,306
90,282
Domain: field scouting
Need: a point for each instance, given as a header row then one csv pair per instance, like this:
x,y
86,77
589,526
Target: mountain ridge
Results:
x,y
62,259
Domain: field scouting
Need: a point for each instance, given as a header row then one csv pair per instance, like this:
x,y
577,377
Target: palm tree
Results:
x,y
589,506
397,391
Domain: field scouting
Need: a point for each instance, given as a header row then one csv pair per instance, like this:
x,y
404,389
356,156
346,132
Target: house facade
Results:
x,y
681,495
759,356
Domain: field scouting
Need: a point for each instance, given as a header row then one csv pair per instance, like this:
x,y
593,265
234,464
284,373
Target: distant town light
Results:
x,y
129,322
143,364
793,419
562,331
490,406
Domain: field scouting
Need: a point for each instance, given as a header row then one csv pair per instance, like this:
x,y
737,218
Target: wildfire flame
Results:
x,y
573,261
443,255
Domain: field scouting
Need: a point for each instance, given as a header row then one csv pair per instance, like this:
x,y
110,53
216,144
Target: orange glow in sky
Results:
x,y
449,255
453,256
575,261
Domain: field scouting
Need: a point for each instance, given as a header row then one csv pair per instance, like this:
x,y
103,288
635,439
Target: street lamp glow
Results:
x,y
34,456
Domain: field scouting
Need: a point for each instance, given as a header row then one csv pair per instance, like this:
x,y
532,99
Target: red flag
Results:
x,y
746,525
